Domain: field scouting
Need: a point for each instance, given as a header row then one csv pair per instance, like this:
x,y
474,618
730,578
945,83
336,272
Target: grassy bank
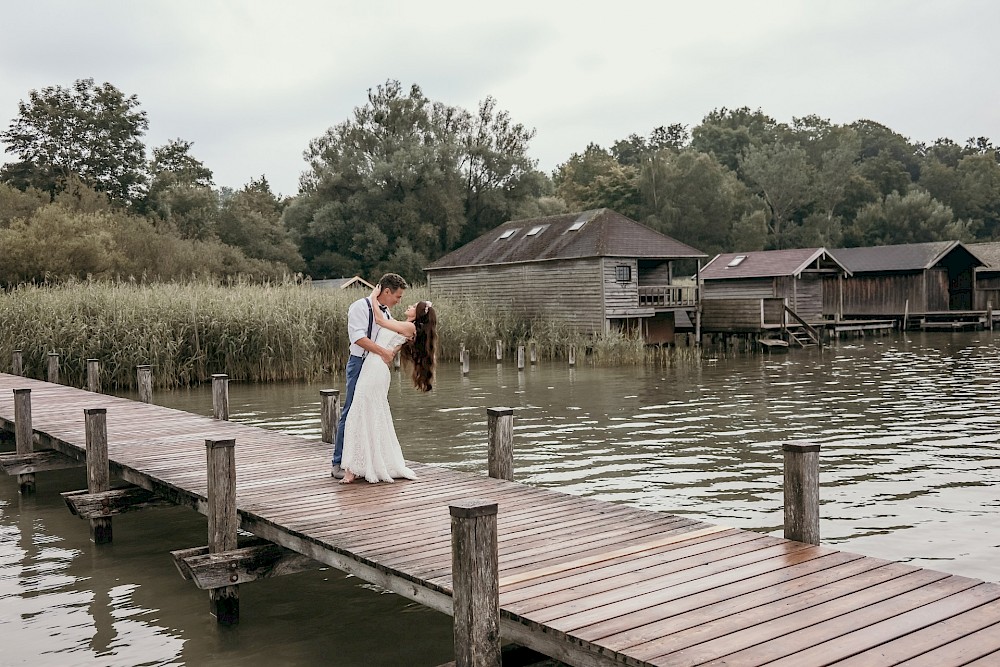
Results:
x,y
252,332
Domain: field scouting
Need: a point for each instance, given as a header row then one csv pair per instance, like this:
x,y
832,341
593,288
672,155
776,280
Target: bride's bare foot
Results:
x,y
348,477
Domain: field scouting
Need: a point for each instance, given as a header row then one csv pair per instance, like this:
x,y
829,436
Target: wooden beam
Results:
x,y
102,504
40,461
241,565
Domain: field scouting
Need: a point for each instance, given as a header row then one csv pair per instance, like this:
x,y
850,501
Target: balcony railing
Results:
x,y
668,296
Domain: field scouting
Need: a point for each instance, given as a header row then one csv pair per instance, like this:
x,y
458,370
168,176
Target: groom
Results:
x,y
363,331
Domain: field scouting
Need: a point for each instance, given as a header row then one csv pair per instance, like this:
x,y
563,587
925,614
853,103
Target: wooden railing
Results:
x,y
812,332
668,295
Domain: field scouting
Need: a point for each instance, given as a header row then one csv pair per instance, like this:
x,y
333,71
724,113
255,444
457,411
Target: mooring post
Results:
x,y
533,353
94,375
989,315
144,380
223,522
500,431
220,396
16,363
475,583
329,410
461,352
98,468
54,367
906,316
23,436
465,362
520,357
572,355
499,350
801,492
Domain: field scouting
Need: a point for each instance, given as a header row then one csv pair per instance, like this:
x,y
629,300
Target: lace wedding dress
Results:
x,y
371,449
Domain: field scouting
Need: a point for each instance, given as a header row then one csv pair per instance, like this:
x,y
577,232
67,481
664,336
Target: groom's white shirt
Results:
x,y
357,325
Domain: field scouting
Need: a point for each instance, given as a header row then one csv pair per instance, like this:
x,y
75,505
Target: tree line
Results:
x,y
406,179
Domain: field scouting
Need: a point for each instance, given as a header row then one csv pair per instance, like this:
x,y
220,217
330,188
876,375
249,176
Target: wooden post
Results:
x,y
54,367
989,315
144,379
500,430
16,363
520,357
533,353
801,492
499,351
461,353
572,355
94,375
906,315
329,410
465,362
223,522
220,396
23,436
475,583
98,469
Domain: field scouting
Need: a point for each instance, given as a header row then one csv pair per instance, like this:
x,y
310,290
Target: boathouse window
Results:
x,y
507,234
623,273
535,230
577,225
736,261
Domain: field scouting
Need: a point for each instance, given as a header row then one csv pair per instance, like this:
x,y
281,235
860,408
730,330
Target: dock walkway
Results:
x,y
584,581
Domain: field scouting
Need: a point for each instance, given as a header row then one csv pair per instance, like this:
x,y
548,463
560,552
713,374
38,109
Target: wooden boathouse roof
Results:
x,y
584,581
766,263
596,233
905,257
989,253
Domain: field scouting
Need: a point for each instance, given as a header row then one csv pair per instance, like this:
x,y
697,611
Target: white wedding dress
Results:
x,y
371,449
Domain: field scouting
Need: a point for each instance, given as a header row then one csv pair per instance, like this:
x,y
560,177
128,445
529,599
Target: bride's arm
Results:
x,y
401,327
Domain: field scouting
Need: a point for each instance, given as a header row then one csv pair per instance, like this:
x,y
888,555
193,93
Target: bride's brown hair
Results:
x,y
421,352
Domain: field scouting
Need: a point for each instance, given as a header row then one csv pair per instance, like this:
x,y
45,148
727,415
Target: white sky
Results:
x,y
251,82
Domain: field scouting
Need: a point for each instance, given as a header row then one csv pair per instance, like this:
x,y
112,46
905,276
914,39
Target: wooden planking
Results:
x,y
581,580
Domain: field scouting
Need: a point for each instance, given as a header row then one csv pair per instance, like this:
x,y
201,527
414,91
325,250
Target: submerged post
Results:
x,y
461,352
220,396
144,380
500,430
989,315
53,367
465,362
23,436
801,492
98,468
520,357
499,350
533,353
16,363
572,355
223,521
475,583
94,375
329,411
906,315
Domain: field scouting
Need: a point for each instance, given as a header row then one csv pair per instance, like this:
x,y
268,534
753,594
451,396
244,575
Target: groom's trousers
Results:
x,y
354,364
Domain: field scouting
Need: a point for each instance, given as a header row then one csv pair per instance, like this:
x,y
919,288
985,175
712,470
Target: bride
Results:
x,y
371,449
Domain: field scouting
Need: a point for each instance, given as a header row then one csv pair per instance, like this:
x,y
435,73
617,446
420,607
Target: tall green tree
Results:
x,y
250,220
726,134
88,131
783,177
914,217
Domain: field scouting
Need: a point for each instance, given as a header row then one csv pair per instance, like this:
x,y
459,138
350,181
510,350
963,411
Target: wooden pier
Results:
x,y
583,581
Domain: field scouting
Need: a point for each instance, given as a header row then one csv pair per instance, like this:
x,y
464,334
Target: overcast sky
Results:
x,y
250,83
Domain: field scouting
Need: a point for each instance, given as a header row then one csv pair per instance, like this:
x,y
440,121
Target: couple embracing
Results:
x,y
366,443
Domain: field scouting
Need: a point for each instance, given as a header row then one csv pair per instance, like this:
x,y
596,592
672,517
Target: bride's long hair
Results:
x,y
421,352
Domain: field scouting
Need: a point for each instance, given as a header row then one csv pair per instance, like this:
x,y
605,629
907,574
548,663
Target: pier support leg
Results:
x,y
53,367
533,353
94,375
16,363
499,351
520,357
465,362
329,409
500,429
572,355
475,582
144,380
801,492
223,522
23,436
98,470
220,396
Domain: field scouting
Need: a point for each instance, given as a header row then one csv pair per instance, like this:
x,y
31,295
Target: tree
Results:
x,y
595,179
727,134
250,220
911,218
782,174
93,132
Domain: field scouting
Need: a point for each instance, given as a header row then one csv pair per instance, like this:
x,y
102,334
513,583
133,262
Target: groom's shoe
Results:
x,y
337,472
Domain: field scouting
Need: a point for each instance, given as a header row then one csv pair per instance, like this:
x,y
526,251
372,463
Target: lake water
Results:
x,y
910,433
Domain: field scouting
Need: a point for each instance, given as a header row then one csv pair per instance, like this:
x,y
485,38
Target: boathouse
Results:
x,y
923,280
987,276
596,270
352,283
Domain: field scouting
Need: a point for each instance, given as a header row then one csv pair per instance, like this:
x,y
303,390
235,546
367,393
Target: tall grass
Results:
x,y
252,332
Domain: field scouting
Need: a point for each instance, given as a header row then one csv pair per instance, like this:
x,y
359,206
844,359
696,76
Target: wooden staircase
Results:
x,y
801,334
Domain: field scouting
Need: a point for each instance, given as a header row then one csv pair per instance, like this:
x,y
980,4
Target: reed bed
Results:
x,y
254,332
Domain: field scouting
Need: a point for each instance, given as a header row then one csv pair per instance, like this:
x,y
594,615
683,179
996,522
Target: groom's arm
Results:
x,y
357,331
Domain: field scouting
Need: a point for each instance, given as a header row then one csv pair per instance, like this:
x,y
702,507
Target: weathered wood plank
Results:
x,y
88,505
37,461
239,566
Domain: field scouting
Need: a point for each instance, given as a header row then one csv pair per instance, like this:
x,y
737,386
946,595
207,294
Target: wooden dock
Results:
x,y
583,581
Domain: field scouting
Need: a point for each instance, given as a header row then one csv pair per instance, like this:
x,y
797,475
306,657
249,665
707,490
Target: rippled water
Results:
x,y
910,435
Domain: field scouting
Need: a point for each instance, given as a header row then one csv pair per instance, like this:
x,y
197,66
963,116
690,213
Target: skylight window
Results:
x,y
507,234
577,225
736,261
535,230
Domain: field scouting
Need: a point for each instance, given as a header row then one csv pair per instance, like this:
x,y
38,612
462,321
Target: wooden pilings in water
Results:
x,y
53,370
500,432
572,355
801,461
465,362
499,351
98,469
94,375
144,380
223,522
329,409
475,583
16,363
220,396
520,357
533,353
23,436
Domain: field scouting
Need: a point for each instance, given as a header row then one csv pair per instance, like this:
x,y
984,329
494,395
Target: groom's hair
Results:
x,y
392,282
